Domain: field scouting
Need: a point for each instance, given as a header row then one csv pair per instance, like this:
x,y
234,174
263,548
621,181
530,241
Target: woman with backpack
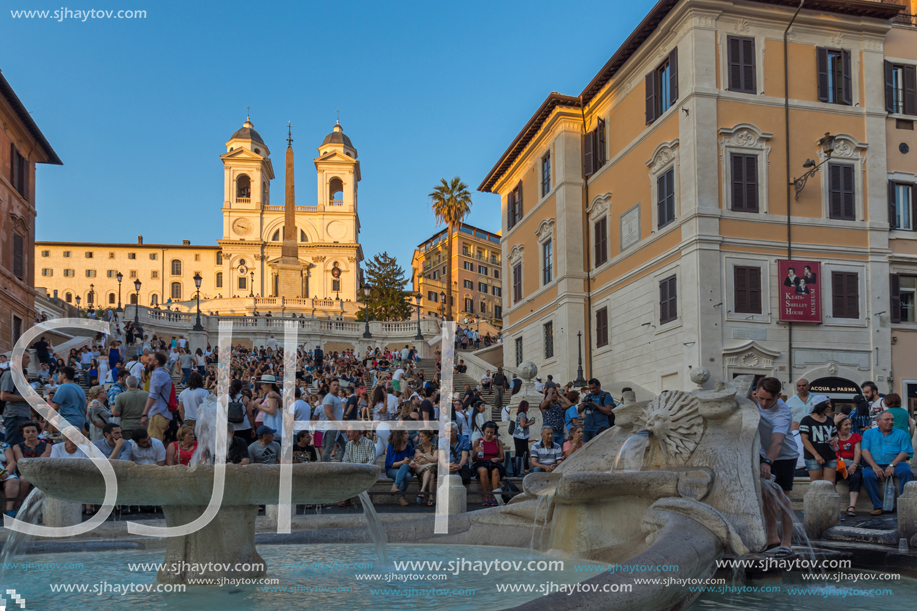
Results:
x,y
241,415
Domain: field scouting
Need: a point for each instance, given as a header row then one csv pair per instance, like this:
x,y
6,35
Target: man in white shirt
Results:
x,y
272,343
134,368
539,385
876,402
405,352
800,403
146,450
396,378
391,404
302,412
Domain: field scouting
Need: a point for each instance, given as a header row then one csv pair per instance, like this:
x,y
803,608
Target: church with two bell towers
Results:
x,y
290,248
289,253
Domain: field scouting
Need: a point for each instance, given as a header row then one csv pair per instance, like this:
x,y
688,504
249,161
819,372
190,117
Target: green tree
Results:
x,y
451,203
387,297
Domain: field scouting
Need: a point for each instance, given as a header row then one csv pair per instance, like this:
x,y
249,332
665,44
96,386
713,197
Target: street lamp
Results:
x,y
119,276
579,382
197,284
78,303
92,290
366,290
826,143
251,292
419,335
137,302
442,299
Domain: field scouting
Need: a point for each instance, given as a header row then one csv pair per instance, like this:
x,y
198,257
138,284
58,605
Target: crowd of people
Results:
x,y
864,442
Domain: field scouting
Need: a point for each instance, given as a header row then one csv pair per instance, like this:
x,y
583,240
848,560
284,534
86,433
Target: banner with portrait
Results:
x,y
798,290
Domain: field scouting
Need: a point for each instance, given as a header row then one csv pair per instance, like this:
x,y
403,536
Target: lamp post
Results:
x,y
197,284
92,290
826,143
137,302
366,291
78,304
419,335
119,276
251,285
579,382
442,300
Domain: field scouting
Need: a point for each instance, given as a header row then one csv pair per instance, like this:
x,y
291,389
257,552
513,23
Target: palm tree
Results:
x,y
451,203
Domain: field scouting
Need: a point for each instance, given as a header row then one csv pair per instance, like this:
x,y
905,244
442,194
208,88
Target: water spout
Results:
x,y
375,528
28,512
630,456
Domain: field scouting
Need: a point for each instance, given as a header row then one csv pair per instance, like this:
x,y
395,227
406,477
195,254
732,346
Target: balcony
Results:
x,y
336,202
243,200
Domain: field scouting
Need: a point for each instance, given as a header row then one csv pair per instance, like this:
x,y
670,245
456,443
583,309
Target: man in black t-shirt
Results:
x,y
351,412
500,384
237,452
427,412
41,350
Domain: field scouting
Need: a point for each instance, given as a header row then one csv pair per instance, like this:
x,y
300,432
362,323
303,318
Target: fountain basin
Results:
x,y
228,540
80,481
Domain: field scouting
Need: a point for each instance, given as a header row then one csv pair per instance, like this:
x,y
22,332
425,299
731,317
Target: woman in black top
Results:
x,y
819,438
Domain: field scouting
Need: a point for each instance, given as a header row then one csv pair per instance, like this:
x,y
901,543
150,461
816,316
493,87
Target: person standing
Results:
x,y
334,412
902,420
156,415
778,450
801,403
818,434
17,411
598,411
129,406
876,401
70,399
500,385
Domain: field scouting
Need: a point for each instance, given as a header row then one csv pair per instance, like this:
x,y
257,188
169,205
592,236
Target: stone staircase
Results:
x,y
458,383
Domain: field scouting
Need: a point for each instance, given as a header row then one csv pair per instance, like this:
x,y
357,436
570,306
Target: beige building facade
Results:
x,y
662,199
244,262
477,282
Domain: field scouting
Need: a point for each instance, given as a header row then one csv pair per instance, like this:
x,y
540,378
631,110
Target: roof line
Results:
x,y
859,8
442,231
125,245
19,108
553,100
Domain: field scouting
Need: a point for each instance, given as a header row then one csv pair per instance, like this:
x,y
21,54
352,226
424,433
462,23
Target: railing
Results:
x,y
339,325
336,202
267,301
267,208
169,316
399,327
905,19
323,303
243,200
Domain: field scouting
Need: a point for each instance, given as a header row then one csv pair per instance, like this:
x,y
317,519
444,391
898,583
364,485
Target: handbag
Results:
x,y
512,427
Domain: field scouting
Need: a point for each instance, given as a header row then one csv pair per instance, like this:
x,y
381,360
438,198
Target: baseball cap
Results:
x,y
265,430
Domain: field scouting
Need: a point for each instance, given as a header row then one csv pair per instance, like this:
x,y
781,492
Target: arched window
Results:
x,y
219,258
219,281
243,186
276,236
154,299
133,298
336,191
176,290
69,297
111,298
176,267
302,236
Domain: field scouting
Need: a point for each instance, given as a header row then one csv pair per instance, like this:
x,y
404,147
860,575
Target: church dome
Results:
x,y
247,132
338,137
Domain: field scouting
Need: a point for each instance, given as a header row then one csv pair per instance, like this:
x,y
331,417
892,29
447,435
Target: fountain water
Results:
x,y
28,512
375,528
630,456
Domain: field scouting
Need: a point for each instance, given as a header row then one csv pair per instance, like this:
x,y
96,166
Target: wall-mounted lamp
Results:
x,y
826,143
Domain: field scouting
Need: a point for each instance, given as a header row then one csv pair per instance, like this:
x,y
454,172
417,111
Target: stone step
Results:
x,y
384,485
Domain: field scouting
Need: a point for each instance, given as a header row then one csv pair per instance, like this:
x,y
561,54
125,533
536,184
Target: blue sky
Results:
x,y
139,110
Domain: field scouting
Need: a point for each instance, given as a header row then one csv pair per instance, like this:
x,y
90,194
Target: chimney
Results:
x,y
140,239
186,242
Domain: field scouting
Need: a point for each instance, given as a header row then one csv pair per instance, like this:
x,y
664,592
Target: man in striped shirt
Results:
x,y
359,449
546,455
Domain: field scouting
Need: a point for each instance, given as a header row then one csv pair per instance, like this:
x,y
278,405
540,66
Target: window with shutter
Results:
x,y
546,174
600,152
19,256
665,198
895,294
601,327
902,206
834,76
589,154
662,87
514,206
841,192
19,172
747,289
548,333
900,88
601,241
845,295
668,302
517,283
651,97
744,182
741,59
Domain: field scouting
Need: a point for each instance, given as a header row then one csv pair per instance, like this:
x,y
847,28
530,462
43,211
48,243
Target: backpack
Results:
x,y
173,400
236,414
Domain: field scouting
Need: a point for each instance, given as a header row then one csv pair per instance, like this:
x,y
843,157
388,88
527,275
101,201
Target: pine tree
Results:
x,y
387,297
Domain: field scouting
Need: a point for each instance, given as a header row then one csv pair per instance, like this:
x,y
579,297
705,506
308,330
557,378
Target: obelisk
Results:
x,y
288,267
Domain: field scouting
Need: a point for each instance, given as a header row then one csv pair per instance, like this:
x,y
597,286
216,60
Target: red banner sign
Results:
x,y
799,290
